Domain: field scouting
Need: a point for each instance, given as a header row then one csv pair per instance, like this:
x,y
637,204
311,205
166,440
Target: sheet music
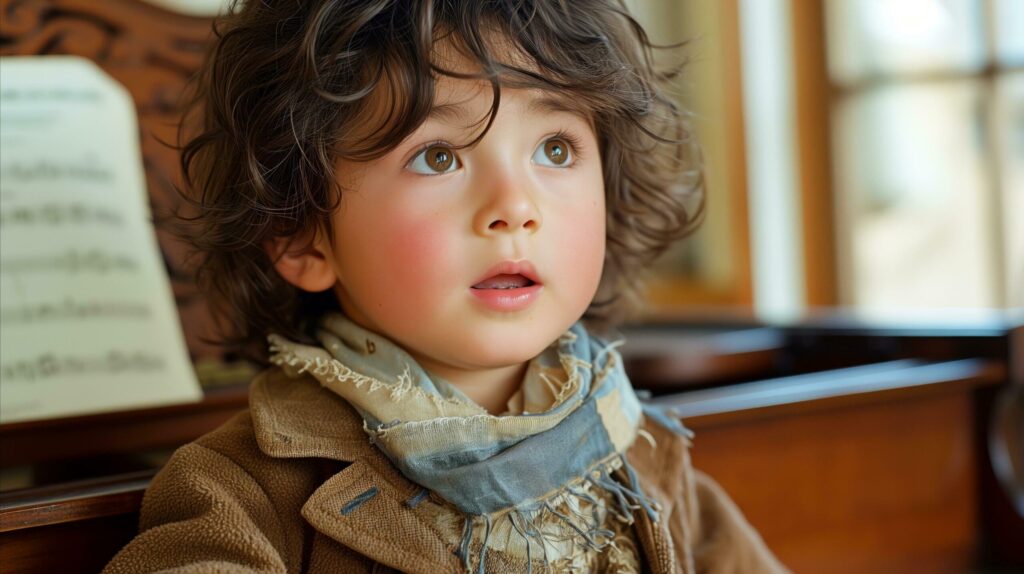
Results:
x,y
87,319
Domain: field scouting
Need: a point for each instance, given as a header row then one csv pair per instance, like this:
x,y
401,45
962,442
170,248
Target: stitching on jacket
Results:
x,y
359,500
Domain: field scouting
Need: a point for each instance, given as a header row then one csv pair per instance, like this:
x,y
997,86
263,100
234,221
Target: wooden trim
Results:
x,y
657,359
75,502
669,292
665,294
828,389
814,152
119,432
736,144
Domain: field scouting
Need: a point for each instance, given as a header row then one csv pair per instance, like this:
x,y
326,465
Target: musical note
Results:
x,y
50,365
73,309
56,214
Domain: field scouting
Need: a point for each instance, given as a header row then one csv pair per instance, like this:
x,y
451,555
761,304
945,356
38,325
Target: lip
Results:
x,y
509,299
523,267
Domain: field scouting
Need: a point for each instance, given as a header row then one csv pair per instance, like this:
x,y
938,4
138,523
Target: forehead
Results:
x,y
458,92
459,99
468,102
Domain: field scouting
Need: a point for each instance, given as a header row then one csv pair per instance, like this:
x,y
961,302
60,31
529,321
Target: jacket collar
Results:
x,y
295,418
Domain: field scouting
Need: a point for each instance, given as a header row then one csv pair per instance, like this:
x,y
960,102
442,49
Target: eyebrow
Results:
x,y
455,113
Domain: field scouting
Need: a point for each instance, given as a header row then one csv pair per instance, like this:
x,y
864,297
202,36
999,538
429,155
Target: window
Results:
x,y
927,101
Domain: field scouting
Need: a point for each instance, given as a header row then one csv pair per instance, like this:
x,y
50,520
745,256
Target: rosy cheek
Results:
x,y
590,247
419,265
584,247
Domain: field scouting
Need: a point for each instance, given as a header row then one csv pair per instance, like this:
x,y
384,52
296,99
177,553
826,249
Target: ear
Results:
x,y
303,262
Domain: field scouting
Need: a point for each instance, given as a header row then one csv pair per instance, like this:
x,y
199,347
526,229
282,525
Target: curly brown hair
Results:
x,y
285,85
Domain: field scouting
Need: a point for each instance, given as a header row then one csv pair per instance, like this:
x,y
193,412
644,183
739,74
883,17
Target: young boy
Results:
x,y
419,202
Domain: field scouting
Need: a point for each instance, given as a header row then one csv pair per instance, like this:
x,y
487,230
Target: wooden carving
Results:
x,y
153,53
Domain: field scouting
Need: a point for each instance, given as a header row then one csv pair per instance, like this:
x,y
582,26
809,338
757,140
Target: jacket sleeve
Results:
x,y
708,533
204,513
723,541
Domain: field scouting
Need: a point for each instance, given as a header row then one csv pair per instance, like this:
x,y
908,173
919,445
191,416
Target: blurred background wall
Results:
x,y
861,153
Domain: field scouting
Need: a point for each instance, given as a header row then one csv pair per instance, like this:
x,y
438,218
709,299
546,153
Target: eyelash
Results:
x,y
573,141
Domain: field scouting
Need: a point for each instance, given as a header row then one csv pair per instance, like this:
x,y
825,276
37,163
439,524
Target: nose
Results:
x,y
511,206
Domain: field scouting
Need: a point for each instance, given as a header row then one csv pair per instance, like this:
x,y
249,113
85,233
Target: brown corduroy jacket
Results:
x,y
265,493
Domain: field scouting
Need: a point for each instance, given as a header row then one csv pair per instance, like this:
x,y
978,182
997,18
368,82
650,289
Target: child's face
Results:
x,y
420,227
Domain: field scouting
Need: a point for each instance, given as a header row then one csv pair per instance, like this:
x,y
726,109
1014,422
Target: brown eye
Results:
x,y
434,160
554,152
557,151
440,158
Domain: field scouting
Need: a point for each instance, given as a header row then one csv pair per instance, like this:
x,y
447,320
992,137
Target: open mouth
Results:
x,y
510,286
505,281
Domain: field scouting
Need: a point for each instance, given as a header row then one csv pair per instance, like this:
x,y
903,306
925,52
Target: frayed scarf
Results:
x,y
520,468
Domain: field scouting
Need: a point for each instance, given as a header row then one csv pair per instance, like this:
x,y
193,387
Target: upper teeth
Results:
x,y
504,282
500,286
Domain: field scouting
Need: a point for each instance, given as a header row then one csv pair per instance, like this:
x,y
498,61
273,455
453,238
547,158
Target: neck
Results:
x,y
489,388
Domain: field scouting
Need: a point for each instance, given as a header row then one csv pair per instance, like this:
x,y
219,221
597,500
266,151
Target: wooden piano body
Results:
x,y
851,449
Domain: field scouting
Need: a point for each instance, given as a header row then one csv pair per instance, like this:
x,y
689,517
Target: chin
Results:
x,y
507,345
